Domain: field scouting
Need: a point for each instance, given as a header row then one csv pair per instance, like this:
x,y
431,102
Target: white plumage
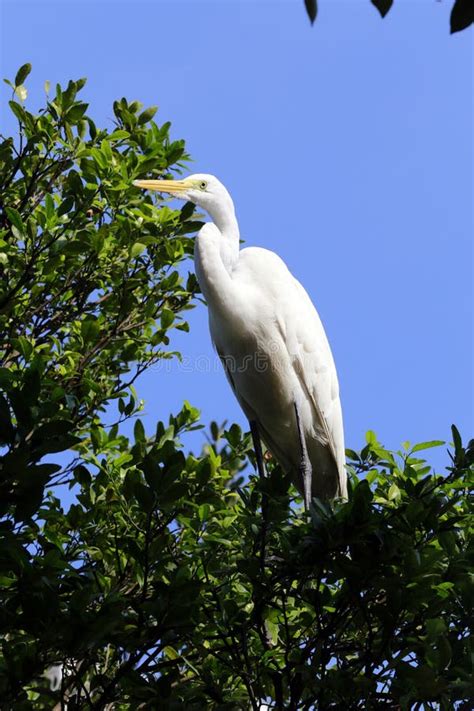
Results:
x,y
272,343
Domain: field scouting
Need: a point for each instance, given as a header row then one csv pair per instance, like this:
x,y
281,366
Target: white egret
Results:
x,y
272,344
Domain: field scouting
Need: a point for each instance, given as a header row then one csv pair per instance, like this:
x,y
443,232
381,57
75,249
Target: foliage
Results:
x,y
462,13
172,582
90,286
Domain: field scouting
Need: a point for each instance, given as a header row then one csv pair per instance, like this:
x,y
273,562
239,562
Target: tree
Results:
x,y
462,13
167,584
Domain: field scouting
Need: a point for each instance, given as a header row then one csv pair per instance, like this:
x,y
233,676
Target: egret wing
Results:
x,y
316,372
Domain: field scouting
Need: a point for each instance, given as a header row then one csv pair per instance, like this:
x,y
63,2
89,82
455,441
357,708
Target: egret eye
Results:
x,y
202,185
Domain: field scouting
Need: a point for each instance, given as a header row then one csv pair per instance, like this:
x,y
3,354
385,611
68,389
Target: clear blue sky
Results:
x,y
348,150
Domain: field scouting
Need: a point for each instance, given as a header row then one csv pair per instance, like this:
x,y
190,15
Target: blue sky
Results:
x,y
347,148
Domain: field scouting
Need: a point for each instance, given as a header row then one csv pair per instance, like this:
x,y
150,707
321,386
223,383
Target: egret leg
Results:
x,y
257,445
305,468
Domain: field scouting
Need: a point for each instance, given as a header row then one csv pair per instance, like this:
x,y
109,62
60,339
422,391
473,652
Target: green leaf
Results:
x,y
370,437
90,329
119,135
50,444
167,318
15,219
444,589
137,249
383,6
311,9
170,653
18,110
187,211
203,512
362,496
7,582
352,454
139,431
147,115
22,73
393,492
44,471
22,92
427,445
234,435
49,207
99,157
151,471
23,346
76,112
82,475
462,15
445,652
144,496
66,206
6,428
167,436
106,150
457,441
272,629
435,626
31,385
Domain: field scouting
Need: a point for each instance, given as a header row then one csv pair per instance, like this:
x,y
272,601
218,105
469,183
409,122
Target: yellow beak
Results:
x,y
163,186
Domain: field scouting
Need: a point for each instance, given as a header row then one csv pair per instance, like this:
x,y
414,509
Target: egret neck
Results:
x,y
216,253
223,216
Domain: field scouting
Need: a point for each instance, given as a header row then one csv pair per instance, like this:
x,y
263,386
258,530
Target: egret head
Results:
x,y
201,189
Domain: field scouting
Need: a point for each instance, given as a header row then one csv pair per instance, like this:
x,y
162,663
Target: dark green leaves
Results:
x,y
167,318
18,110
178,579
15,219
147,115
144,496
78,322
76,112
54,436
22,73
90,329
462,15
383,6
311,9
139,431
6,428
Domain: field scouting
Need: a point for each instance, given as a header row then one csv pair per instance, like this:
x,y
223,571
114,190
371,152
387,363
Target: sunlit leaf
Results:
x,y
22,92
427,445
